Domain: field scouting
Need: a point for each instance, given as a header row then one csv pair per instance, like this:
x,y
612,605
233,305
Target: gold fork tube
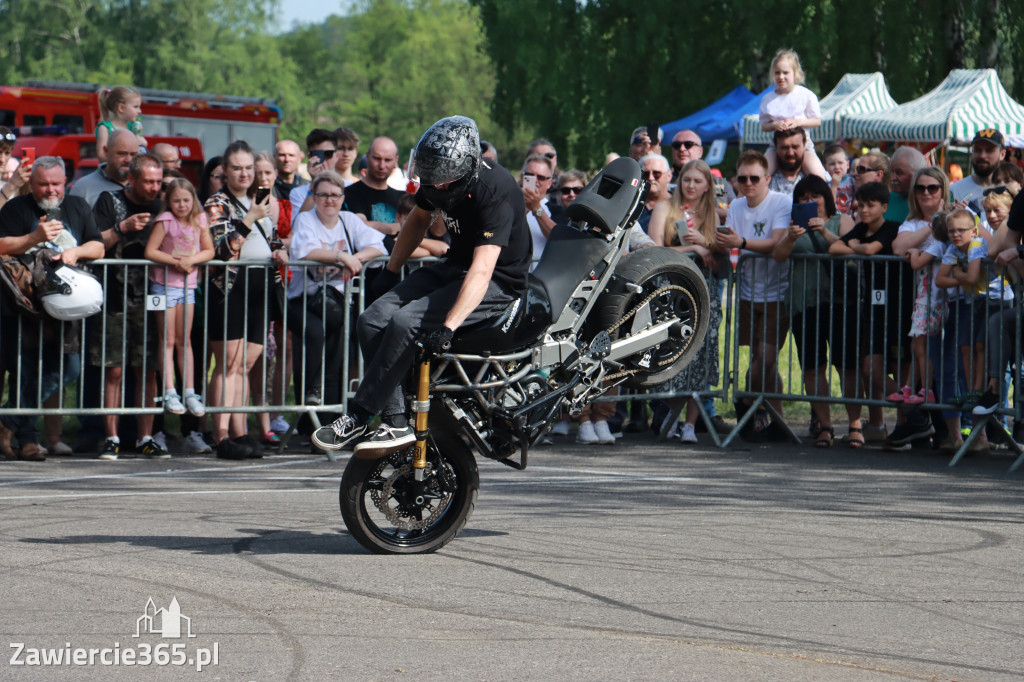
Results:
x,y
422,409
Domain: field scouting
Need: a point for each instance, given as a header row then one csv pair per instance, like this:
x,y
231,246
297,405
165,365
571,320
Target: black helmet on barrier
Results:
x,y
449,152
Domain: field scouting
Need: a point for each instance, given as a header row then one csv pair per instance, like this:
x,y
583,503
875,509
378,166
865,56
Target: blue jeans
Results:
x,y
37,383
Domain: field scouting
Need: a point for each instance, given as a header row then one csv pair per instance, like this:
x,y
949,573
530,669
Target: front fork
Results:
x,y
421,407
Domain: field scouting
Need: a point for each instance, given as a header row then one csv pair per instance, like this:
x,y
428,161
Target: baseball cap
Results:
x,y
989,135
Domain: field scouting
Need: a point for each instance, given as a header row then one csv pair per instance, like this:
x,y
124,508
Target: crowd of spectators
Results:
x,y
933,324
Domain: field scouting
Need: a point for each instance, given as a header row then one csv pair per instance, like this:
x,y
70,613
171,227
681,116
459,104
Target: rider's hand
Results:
x,y
438,341
384,282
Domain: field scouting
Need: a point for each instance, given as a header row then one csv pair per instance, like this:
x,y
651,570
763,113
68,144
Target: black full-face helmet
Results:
x,y
449,152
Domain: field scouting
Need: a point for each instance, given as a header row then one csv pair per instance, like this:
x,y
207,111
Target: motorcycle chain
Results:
x,y
653,295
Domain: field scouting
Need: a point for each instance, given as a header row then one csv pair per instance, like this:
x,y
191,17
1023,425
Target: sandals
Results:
x,y
856,438
826,436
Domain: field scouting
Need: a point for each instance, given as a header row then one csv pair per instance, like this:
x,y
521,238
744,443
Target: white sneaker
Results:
x,y
194,444
587,435
561,429
60,448
194,404
172,403
687,434
279,425
603,433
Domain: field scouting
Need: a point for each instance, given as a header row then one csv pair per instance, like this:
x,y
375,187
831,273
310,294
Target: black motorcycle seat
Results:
x,y
519,325
605,202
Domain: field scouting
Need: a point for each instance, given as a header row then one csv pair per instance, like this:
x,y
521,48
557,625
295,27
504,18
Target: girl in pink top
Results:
x,y
181,241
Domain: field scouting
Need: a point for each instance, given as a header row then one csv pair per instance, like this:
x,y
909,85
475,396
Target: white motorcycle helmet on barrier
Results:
x,y
70,293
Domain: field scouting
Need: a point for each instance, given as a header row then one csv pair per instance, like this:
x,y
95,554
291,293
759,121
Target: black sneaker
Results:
x,y
909,431
229,449
721,426
152,450
110,451
338,433
987,403
385,440
255,449
313,396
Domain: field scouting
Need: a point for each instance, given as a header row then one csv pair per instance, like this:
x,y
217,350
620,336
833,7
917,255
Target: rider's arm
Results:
x,y
409,237
474,287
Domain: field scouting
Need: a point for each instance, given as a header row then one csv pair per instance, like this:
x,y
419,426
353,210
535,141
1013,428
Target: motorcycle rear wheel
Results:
x,y
653,269
388,512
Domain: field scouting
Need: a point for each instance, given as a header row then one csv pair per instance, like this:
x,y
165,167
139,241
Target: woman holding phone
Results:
x,y
241,298
818,318
686,222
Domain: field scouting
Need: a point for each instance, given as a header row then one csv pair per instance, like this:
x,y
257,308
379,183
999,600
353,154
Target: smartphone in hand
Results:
x,y
802,214
261,194
530,182
28,157
681,228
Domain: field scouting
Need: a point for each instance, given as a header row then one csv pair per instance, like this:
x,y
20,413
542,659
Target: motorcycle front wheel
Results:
x,y
388,511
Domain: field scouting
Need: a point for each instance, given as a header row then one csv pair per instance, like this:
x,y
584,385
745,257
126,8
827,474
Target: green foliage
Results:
x,y
580,72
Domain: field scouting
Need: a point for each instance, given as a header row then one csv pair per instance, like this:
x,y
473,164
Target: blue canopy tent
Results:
x,y
710,121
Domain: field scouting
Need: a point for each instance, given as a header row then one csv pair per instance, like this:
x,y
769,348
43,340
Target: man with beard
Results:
x,y
987,150
111,176
789,152
124,218
43,219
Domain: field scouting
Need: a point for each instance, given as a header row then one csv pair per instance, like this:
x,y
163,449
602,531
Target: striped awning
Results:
x,y
967,101
855,93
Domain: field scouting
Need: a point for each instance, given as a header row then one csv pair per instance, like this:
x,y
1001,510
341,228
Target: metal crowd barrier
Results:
x,y
845,313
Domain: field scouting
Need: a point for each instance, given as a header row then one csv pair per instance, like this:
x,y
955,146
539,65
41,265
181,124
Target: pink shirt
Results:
x,y
179,240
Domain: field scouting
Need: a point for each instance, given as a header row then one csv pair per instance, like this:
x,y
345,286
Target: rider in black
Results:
x,y
485,270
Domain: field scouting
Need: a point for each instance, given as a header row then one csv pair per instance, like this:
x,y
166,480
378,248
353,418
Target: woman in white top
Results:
x,y
341,242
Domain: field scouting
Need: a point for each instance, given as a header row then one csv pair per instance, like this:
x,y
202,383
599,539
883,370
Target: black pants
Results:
x,y
389,328
319,349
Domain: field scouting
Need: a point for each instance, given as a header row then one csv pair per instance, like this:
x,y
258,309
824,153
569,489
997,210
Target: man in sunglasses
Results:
x,y
322,155
657,172
756,222
686,147
987,150
536,181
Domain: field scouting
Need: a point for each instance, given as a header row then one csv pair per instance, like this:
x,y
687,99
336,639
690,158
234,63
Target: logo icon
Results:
x,y
164,622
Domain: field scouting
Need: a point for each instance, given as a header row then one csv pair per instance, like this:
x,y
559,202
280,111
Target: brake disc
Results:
x,y
402,514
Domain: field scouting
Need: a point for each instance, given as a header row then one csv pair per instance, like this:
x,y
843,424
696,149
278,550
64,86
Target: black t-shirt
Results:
x,y
108,212
20,215
1015,221
493,213
376,204
890,276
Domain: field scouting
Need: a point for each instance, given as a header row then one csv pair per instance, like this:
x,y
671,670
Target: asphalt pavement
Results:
x,y
642,560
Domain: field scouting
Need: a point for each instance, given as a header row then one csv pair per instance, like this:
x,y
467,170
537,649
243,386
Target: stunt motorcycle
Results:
x,y
592,319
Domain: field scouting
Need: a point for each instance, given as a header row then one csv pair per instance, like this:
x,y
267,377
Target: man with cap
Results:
x,y
987,150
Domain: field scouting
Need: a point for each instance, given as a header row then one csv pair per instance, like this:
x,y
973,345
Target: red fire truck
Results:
x,y
215,120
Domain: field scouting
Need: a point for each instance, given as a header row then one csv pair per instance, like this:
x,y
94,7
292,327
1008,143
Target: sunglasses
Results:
x,y
1001,189
866,169
639,140
744,179
963,231
927,189
566,191
549,155
542,178
10,137
652,174
689,144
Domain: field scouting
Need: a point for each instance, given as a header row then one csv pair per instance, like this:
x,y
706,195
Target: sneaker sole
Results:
x,y
108,458
981,411
324,446
907,440
368,450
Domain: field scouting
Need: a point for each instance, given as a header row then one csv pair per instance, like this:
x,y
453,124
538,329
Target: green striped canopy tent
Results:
x,y
855,93
967,101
